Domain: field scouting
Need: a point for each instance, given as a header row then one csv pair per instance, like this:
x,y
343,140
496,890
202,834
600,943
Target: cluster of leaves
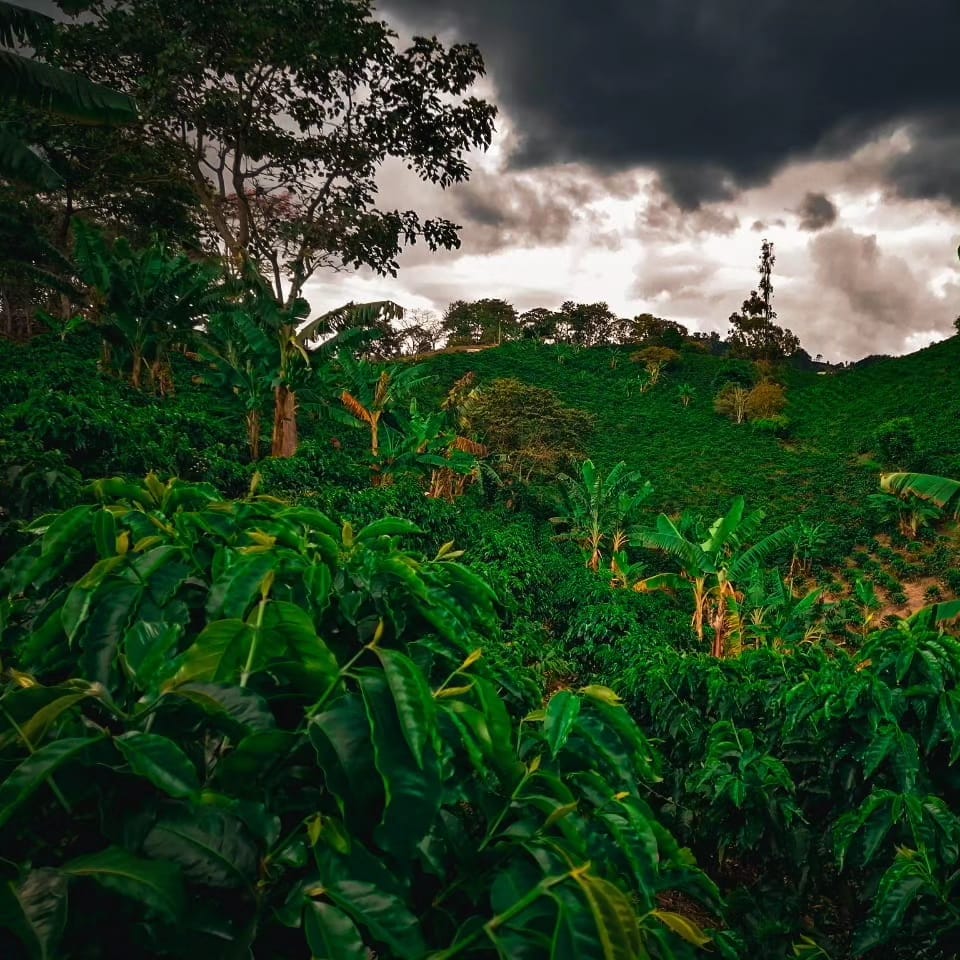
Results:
x,y
833,770
232,724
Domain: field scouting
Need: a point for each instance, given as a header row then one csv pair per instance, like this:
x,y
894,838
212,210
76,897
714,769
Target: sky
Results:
x,y
645,148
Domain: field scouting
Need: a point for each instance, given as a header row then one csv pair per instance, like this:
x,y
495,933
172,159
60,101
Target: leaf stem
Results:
x,y
57,792
254,643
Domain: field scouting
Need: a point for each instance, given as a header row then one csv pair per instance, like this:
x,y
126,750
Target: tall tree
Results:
x,y
753,334
586,324
484,321
279,120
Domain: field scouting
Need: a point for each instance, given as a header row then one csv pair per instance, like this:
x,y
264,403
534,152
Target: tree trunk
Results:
x,y
135,372
284,423
253,434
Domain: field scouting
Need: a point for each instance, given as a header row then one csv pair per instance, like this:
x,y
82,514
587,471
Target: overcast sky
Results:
x,y
644,148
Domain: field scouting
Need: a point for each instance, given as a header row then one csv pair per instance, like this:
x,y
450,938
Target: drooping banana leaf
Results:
x,y
942,491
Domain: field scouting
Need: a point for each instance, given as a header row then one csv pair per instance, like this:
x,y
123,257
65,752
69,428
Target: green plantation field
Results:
x,y
376,634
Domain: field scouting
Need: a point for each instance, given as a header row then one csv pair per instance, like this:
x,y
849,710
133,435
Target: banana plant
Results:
x,y
769,613
598,507
289,362
943,492
712,568
144,301
370,394
30,83
910,513
238,357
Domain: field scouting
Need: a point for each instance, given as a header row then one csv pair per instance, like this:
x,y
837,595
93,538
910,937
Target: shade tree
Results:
x,y
279,124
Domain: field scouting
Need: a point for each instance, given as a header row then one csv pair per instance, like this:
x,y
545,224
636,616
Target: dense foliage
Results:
x,y
624,643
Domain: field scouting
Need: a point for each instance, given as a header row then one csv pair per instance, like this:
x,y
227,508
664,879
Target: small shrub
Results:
x,y
896,443
766,401
774,426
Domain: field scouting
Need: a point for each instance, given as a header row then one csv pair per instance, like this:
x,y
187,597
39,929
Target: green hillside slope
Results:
x,y
697,458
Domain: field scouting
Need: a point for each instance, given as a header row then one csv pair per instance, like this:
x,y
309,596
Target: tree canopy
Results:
x,y
280,124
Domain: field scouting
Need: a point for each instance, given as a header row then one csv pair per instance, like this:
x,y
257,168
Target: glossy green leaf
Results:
x,y
237,587
105,533
412,698
383,914
562,712
331,934
239,704
160,761
154,883
211,847
618,931
387,527
25,779
110,616
35,729
412,794
217,654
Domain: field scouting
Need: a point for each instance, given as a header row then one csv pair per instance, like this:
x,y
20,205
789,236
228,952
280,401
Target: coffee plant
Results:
x,y
234,727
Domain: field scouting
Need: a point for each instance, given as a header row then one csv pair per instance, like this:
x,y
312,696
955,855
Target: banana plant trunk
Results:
x,y
377,478
284,423
136,369
253,433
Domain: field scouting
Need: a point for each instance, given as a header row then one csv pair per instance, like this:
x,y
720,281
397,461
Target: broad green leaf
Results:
x,y
217,654
683,927
287,626
25,779
237,587
212,847
254,758
153,883
149,646
331,934
160,761
35,729
341,737
105,533
387,527
114,608
877,750
383,914
412,794
562,712
616,921
413,700
241,705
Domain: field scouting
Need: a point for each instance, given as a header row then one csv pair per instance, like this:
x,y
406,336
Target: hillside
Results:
x,y
827,713
823,469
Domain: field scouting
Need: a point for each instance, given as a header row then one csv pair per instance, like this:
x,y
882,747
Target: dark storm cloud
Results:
x,y
715,94
930,169
816,211
663,218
